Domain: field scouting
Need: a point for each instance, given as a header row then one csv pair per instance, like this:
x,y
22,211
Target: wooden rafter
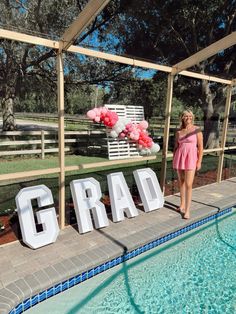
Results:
x,y
28,39
106,56
91,10
144,64
205,53
119,59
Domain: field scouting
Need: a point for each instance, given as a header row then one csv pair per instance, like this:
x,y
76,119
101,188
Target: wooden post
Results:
x,y
42,144
224,133
60,99
166,131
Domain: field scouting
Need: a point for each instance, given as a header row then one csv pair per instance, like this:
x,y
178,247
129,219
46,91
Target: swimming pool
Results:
x,y
192,274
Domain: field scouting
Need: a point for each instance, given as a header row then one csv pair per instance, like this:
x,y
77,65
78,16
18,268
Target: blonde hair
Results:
x,y
187,111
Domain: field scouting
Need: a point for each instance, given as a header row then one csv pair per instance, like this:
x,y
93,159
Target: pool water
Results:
x,y
195,273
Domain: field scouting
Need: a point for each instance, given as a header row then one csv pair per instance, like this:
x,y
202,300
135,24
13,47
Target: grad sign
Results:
x,y
86,194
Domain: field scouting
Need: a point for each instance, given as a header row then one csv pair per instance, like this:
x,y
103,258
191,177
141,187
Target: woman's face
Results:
x,y
187,118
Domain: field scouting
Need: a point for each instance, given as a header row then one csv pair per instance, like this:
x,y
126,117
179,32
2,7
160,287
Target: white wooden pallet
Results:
x,y
120,149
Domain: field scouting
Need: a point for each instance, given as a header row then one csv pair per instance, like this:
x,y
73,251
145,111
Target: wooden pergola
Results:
x,y
91,10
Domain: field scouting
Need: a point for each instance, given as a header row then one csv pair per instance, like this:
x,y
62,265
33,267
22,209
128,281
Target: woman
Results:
x,y
188,152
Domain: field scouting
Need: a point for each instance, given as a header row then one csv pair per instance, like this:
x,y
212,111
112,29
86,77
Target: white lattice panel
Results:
x,y
134,113
119,149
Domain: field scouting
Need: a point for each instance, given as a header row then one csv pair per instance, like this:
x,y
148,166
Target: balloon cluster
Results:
x,y
124,128
103,115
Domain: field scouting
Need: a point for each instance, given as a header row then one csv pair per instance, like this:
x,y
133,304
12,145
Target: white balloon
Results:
x,y
118,124
118,129
113,134
155,148
124,120
145,151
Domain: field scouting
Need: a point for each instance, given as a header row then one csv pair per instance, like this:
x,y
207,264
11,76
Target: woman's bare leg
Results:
x,y
181,181
189,177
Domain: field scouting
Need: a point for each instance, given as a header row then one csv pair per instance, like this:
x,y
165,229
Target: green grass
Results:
x,y
27,164
12,165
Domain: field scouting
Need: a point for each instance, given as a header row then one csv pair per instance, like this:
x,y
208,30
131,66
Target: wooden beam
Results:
x,y
205,53
119,59
142,64
61,137
91,10
230,147
205,77
106,56
28,39
166,131
28,174
224,133
116,162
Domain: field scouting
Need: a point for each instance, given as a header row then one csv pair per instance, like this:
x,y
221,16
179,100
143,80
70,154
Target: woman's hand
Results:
x,y
199,165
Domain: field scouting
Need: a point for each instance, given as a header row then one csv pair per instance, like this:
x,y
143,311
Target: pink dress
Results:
x,y
185,157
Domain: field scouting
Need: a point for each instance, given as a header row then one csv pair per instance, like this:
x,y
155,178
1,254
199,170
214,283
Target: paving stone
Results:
x,y
33,283
8,277
113,250
85,261
8,297
70,267
52,274
5,308
95,259
78,264
43,279
15,289
24,287
62,271
99,254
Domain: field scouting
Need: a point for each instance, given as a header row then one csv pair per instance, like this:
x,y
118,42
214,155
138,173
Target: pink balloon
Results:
x,y
113,121
91,114
143,124
97,119
122,135
104,110
132,135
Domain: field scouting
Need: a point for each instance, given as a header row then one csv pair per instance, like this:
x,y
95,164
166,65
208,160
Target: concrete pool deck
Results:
x,y
26,272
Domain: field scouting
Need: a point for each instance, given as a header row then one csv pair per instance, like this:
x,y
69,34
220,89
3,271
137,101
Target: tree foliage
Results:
x,y
28,72
140,92
168,31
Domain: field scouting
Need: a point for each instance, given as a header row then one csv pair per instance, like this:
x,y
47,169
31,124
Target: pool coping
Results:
x,y
27,292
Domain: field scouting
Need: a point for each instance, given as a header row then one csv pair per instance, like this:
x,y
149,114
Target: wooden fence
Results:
x,y
16,143
40,142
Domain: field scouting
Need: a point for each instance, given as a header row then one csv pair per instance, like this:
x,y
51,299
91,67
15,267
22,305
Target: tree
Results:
x,y
168,31
140,92
27,70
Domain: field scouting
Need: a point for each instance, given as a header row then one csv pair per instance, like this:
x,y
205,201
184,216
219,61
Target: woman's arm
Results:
x,y
176,141
199,150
